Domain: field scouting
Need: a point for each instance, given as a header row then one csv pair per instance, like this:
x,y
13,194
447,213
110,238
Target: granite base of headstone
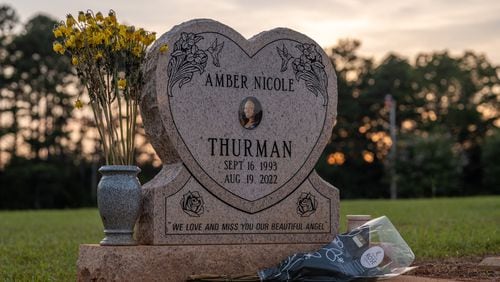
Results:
x,y
239,125
176,263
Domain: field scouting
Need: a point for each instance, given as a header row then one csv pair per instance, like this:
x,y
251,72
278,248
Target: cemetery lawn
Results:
x,y
43,245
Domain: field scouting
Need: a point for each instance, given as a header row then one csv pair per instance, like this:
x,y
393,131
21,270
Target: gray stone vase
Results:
x,y
119,200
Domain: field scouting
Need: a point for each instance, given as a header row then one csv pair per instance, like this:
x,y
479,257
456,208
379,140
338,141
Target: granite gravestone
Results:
x,y
239,125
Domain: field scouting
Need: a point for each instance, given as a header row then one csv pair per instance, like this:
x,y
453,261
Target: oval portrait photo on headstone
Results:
x,y
250,113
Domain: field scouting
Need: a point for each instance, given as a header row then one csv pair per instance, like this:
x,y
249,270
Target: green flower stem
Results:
x,y
120,117
100,129
130,126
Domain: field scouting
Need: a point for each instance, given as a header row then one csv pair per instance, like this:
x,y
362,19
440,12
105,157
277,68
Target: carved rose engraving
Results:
x,y
192,204
306,205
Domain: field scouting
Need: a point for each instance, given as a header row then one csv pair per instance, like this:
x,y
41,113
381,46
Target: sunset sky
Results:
x,y
405,27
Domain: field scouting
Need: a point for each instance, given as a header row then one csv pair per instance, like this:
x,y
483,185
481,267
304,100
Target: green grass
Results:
x,y
439,228
43,245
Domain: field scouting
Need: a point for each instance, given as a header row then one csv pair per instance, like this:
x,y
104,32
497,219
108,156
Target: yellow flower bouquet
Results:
x,y
107,56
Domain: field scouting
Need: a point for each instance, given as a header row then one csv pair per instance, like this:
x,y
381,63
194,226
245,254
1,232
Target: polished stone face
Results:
x,y
248,119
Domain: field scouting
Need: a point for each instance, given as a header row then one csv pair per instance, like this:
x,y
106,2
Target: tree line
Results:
x,y
49,152
447,123
447,110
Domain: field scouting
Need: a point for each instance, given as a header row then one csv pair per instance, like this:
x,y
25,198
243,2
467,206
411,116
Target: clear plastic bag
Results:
x,y
373,250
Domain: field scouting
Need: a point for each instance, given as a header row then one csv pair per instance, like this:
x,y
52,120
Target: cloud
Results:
x,y
406,27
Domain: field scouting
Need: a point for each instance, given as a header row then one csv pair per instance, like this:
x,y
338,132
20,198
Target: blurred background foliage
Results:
x,y
447,110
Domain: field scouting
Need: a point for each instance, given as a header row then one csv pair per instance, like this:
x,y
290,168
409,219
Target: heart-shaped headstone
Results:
x,y
249,118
